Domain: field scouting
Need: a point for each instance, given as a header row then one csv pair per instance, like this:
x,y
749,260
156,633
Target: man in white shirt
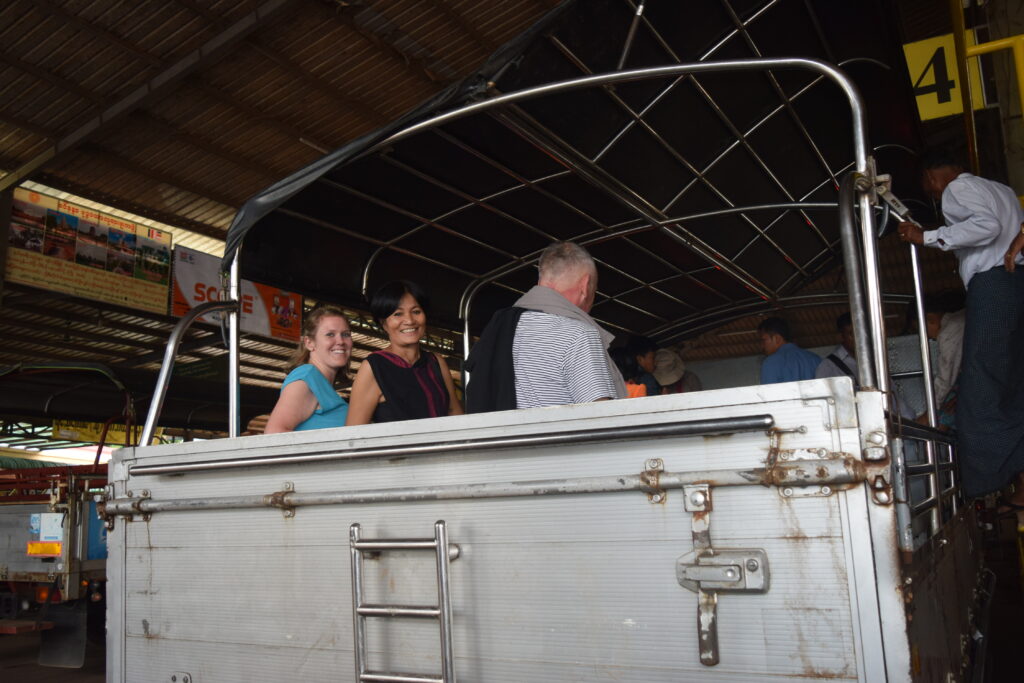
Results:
x,y
559,353
982,219
841,362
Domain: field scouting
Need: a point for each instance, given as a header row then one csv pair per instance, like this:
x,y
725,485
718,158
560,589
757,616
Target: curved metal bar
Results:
x,y
372,260
722,315
156,404
860,143
830,71
598,237
465,305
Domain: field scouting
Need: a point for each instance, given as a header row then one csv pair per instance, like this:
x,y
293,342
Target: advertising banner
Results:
x,y
91,432
67,248
266,311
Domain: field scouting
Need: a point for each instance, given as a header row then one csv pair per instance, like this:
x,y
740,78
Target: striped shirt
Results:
x,y
558,361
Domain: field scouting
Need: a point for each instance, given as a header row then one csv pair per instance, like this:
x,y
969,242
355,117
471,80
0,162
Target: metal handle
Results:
x,y
164,379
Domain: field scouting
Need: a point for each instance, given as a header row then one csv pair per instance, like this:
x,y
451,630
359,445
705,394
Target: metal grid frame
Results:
x,y
646,216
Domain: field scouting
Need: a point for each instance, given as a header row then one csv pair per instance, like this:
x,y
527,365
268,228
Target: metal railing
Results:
x,y
156,404
929,488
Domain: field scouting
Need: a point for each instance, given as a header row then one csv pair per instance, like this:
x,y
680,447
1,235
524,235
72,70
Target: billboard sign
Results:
x,y
68,248
266,311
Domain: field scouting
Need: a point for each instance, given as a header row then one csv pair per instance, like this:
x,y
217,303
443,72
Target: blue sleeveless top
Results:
x,y
333,409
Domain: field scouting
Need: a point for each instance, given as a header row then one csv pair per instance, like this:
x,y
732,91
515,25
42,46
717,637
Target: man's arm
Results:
x,y
978,225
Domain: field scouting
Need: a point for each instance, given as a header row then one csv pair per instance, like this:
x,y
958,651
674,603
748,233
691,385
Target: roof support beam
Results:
x,y
417,66
284,127
487,45
145,171
365,111
25,125
49,8
211,51
151,120
357,106
53,79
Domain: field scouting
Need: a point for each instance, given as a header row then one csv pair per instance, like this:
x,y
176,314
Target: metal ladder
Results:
x,y
443,612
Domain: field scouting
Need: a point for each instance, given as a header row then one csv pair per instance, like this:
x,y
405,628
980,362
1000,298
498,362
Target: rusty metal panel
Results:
x,y
551,588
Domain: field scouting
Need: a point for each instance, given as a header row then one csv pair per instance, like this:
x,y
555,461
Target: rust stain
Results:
x,y
717,437
278,499
828,675
146,632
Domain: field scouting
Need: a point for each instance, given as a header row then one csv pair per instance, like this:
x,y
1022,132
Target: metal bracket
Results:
x,y
823,491
651,475
137,498
278,499
708,571
881,490
877,446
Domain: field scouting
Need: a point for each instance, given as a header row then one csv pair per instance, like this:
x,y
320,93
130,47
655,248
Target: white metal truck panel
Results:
x,y
566,587
16,530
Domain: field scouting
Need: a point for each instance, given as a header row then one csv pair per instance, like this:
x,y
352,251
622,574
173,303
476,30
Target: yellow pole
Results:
x,y
1015,43
960,42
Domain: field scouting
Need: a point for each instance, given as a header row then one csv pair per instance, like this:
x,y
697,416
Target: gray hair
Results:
x,y
562,259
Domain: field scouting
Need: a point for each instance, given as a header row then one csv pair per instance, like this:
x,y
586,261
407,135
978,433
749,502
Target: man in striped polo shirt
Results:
x,y
559,353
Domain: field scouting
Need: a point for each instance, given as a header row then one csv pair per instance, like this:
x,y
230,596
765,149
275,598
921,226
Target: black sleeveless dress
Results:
x,y
411,392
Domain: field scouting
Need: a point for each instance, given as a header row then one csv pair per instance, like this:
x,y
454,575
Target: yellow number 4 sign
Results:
x,y
932,66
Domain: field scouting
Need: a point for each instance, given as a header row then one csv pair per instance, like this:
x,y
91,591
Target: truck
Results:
x,y
53,557
801,531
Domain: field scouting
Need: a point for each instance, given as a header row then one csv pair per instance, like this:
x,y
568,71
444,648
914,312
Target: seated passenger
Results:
x,y
546,350
625,361
643,350
308,399
402,382
784,361
671,373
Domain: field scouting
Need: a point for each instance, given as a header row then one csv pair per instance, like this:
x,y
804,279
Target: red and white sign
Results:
x,y
266,311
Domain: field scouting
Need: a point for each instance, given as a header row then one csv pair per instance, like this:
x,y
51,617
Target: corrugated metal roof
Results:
x,y
313,77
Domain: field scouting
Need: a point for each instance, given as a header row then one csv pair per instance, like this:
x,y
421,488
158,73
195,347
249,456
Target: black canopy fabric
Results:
x,y
666,161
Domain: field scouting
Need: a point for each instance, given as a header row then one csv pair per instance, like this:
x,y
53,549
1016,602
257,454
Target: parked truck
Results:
x,y
52,557
792,532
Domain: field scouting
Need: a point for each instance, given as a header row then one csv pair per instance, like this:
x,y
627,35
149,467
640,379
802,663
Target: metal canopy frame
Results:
x,y
870,337
440,196
723,276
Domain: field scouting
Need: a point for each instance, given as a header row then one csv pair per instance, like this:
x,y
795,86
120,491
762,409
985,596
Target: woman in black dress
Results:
x,y
401,382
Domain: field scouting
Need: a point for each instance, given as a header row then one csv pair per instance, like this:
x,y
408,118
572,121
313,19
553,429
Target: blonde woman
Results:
x,y
308,399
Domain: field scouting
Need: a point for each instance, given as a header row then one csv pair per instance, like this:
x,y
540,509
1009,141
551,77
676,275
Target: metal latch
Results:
x,y
708,571
735,571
